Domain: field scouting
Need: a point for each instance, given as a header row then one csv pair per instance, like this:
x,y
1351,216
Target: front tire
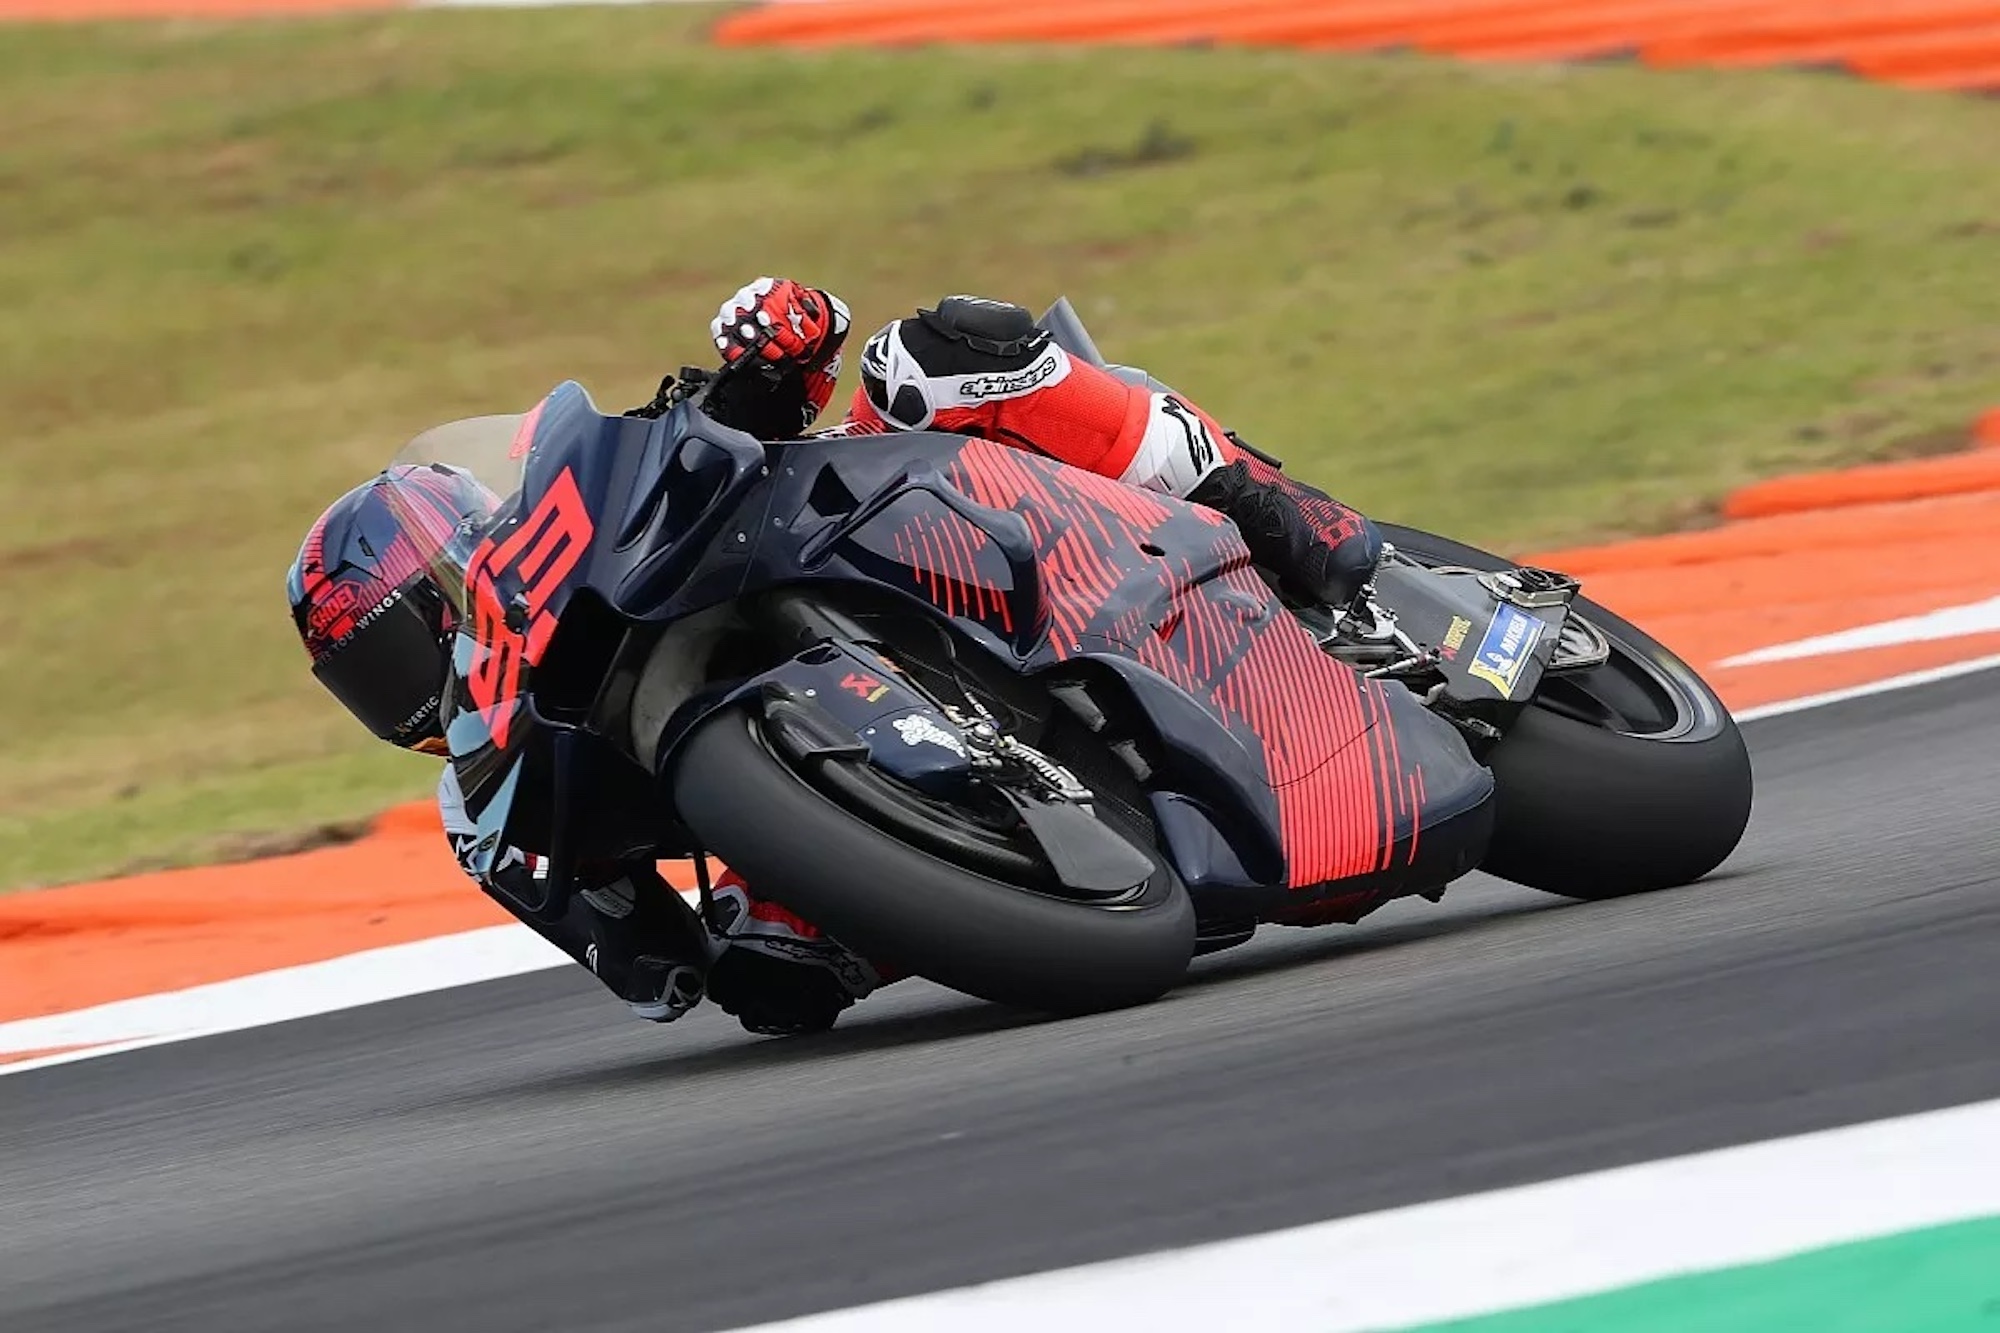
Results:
x,y
895,904
1621,779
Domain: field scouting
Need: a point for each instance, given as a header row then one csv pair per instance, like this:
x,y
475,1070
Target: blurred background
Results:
x,y
241,262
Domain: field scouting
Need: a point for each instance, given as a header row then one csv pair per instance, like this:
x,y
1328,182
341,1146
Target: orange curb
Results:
x,y
1789,37
1752,687
1953,474
1956,79
1942,43
1554,31
1986,431
86,944
414,817
16,1057
1937,44
1802,556
1825,43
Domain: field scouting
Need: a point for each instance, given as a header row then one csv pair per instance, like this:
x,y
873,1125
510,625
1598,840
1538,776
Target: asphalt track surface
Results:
x,y
520,1155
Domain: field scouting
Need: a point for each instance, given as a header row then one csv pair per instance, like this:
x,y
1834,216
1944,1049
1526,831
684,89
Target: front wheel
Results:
x,y
1620,778
868,886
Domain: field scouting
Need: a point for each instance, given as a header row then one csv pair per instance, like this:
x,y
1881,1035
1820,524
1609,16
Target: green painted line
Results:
x,y
1941,1280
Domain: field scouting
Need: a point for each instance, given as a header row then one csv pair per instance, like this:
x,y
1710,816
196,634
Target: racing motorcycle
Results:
x,y
1021,729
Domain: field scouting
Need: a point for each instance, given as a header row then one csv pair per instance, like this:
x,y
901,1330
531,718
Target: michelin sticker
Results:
x,y
1509,643
916,729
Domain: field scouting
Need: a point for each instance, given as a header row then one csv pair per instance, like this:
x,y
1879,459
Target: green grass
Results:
x,y
241,263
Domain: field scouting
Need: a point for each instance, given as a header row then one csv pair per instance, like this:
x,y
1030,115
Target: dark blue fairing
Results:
x,y
1279,772
865,695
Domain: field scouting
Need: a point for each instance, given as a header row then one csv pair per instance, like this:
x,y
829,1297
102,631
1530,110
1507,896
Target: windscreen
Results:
x,y
447,485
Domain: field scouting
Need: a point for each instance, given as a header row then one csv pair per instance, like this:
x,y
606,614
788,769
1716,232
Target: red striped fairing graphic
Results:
x,y
944,552
1329,746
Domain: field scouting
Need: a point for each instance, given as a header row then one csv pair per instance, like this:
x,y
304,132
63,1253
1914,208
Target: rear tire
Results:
x,y
1592,810
1590,813
895,904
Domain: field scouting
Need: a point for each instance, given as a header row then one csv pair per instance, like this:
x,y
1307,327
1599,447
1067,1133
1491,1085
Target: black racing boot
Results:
x,y
646,944
1319,548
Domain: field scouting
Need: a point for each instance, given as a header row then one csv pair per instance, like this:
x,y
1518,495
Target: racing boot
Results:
x,y
645,944
1321,550
776,972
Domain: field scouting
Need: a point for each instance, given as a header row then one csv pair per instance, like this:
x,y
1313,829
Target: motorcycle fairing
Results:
x,y
865,697
1128,578
1305,772
623,507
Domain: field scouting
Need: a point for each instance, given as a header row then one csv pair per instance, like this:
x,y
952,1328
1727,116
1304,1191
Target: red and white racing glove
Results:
x,y
780,321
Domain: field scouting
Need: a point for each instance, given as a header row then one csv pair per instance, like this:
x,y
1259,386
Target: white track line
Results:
x,y
448,961
1905,682
1503,1250
348,982
1951,622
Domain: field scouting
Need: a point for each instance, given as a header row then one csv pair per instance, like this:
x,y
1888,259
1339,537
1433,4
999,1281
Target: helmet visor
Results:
x,y
390,671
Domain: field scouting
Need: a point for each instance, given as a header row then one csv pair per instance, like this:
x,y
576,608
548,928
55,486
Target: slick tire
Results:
x,y
894,904
1599,810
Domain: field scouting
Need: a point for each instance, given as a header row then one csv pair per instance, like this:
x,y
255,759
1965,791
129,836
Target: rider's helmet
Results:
x,y
367,604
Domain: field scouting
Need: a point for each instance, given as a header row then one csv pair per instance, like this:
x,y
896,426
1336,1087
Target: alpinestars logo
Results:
x,y
1004,386
1201,448
875,356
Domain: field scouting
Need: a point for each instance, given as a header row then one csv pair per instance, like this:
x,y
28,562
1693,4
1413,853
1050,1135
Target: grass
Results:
x,y
241,263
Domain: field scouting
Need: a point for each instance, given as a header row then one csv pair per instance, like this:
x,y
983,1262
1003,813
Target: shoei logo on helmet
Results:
x,y
347,599
335,608
527,569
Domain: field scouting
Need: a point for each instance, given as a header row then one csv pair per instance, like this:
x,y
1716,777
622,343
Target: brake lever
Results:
x,y
690,382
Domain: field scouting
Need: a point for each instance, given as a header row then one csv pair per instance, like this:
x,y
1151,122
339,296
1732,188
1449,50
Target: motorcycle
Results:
x,y
1018,728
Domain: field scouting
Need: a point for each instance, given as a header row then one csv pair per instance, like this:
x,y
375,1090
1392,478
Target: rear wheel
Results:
x,y
1619,778
951,893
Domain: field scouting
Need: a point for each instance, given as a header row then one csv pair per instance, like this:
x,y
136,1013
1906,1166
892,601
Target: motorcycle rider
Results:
x,y
379,630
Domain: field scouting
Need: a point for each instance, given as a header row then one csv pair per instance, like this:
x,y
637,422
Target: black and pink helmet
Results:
x,y
366,602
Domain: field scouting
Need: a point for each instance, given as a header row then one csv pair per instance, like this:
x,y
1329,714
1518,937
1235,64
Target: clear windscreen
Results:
x,y
446,485
493,449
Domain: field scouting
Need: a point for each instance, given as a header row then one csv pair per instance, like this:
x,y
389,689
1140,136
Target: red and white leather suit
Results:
x,y
979,367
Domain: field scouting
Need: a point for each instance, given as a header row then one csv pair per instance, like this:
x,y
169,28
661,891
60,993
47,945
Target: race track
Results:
x,y
521,1156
